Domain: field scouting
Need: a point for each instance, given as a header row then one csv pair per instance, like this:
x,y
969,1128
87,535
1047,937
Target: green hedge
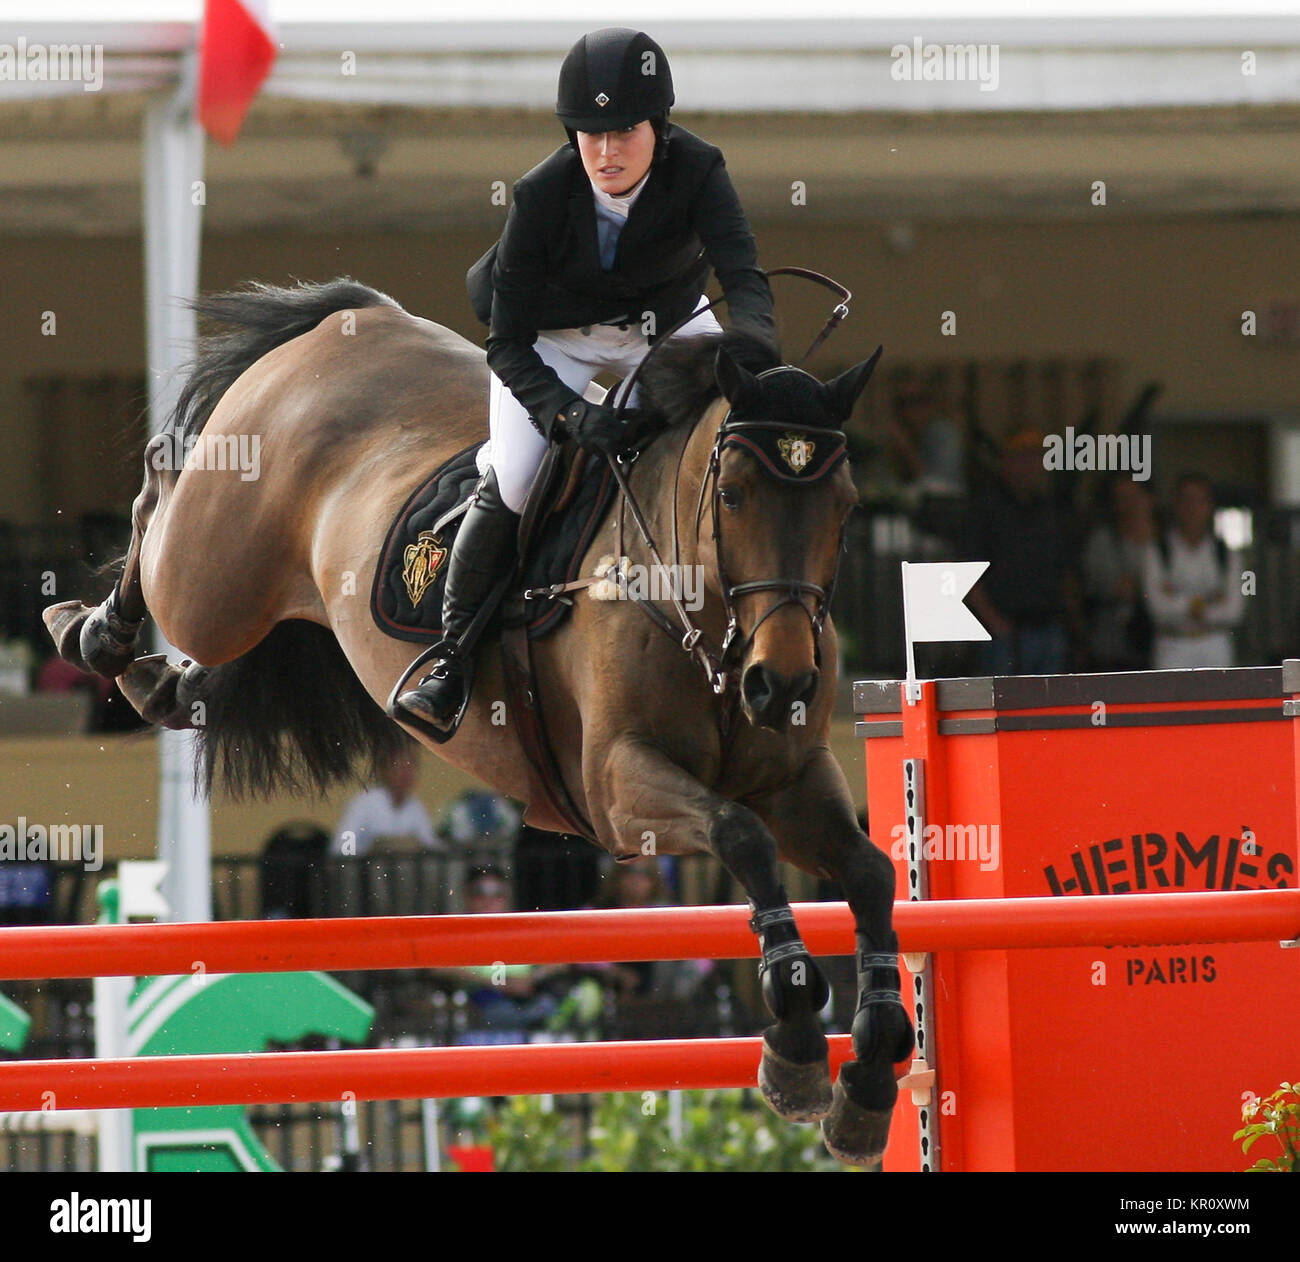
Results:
x,y
719,1130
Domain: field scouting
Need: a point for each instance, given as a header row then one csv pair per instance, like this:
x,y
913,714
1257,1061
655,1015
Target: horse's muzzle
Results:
x,y
770,698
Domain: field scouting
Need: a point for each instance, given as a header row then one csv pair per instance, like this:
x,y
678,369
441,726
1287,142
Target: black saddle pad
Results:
x,y
406,599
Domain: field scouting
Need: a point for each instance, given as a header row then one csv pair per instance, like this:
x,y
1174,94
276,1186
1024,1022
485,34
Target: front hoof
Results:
x,y
798,1093
854,1134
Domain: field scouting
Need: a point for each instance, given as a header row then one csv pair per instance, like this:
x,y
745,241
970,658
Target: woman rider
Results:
x,y
608,240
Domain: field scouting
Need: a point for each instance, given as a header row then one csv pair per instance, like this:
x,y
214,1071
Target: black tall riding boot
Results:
x,y
483,551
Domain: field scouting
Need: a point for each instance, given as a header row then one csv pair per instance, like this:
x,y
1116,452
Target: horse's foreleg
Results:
x,y
649,794
103,640
819,832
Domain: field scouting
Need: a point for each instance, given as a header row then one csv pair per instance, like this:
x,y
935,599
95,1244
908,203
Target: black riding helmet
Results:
x,y
614,78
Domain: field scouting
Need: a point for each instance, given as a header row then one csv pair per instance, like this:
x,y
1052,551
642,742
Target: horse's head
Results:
x,y
781,495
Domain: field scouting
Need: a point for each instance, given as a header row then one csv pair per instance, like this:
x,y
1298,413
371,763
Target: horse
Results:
x,y
262,581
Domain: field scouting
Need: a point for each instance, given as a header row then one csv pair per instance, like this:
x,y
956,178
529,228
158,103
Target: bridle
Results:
x,y
719,663
793,591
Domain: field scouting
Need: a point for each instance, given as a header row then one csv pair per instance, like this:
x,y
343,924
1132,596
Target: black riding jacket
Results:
x,y
545,271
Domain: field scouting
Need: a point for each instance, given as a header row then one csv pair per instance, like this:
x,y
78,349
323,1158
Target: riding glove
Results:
x,y
598,428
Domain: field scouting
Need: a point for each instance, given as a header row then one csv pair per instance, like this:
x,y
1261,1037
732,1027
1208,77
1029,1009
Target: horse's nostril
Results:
x,y
805,687
756,685
768,693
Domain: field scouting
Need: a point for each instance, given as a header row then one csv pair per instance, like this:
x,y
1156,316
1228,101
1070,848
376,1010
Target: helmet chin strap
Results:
x,y
663,129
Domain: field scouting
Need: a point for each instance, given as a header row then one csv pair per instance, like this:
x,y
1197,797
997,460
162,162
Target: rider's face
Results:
x,y
616,160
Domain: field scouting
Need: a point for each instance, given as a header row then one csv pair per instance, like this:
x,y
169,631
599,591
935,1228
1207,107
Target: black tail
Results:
x,y
290,716
256,320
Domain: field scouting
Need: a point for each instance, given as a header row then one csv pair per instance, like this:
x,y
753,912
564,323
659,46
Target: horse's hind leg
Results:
x,y
103,639
820,833
165,693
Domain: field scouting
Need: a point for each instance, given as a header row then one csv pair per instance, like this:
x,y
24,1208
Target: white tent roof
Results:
x,y
730,57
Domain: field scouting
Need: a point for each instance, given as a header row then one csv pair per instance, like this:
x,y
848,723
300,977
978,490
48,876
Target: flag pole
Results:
x,y
173,168
911,687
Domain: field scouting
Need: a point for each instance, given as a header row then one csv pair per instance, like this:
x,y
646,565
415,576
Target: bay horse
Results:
x,y
262,579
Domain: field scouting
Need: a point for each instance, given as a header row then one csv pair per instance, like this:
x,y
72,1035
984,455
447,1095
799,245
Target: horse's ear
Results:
x,y
737,383
842,391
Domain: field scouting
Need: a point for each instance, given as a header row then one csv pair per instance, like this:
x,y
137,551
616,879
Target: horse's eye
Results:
x,y
730,496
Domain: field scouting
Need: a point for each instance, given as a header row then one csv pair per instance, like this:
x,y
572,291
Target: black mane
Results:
x,y
678,383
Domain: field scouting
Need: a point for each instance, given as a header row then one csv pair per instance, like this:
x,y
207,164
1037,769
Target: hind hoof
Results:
x,y
64,622
798,1093
149,684
855,1135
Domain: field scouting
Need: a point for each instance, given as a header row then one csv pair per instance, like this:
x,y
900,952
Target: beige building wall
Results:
x,y
1159,298
113,781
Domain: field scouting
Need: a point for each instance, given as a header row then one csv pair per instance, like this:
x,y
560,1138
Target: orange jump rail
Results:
x,y
393,942
386,1074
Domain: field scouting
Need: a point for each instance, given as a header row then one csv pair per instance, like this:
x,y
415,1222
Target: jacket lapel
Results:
x,y
645,211
582,216
647,208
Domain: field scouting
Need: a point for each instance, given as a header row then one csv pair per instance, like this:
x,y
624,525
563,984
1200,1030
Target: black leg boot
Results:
x,y
483,552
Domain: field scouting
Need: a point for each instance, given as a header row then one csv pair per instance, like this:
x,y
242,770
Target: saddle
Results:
x,y
569,498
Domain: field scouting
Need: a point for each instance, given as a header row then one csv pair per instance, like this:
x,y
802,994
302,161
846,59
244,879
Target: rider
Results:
x,y
607,241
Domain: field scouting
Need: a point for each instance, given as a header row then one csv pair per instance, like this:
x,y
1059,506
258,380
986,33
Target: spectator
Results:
x,y
1029,596
292,871
56,675
927,446
389,811
554,871
638,884
1191,584
641,884
480,820
503,996
1119,622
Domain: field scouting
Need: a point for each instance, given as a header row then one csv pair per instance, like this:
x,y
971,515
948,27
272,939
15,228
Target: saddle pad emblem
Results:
x,y
796,451
423,559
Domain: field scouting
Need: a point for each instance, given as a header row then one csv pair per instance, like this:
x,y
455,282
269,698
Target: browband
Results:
x,y
792,455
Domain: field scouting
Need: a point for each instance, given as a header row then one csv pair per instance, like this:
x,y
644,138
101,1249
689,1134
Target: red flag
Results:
x,y
235,56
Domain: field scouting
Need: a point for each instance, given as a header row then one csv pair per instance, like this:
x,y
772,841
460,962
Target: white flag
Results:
x,y
932,601
138,882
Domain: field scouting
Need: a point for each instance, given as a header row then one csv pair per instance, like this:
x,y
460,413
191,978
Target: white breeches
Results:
x,y
515,449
